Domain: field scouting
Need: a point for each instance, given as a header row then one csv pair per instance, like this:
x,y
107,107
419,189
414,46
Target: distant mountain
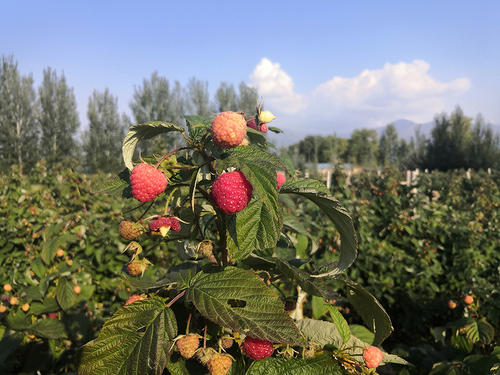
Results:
x,y
406,128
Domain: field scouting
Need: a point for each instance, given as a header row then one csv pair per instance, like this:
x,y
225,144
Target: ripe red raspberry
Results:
x,y
257,348
468,299
219,364
372,356
231,191
228,129
135,297
169,221
280,179
187,345
53,315
263,128
129,230
147,182
252,124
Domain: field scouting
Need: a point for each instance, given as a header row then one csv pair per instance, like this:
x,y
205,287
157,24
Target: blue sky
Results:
x,y
325,65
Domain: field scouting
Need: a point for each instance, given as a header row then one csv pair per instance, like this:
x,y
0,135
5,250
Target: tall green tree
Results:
x,y
198,98
248,99
447,148
102,141
226,98
19,128
484,146
158,100
58,117
388,148
362,147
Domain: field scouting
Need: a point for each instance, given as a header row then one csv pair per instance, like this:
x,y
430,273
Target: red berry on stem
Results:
x,y
257,348
231,191
147,182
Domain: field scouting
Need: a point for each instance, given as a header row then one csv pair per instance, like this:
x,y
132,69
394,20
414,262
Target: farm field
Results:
x,y
422,250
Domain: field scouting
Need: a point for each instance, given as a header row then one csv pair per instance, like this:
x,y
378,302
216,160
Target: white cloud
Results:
x,y
276,87
372,98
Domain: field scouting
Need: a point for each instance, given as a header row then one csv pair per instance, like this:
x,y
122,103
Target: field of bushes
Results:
x,y
421,248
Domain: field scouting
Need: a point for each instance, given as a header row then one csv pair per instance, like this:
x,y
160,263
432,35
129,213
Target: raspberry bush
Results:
x,y
218,201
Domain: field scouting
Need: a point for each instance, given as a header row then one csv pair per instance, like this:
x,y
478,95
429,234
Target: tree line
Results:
x,y
43,123
456,141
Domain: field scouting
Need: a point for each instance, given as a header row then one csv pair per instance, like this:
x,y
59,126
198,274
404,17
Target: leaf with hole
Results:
x,y
238,299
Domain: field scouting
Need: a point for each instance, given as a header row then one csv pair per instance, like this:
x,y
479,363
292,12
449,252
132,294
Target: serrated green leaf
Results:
x,y
65,295
135,341
311,286
318,307
481,331
319,194
323,364
49,329
340,322
362,333
238,299
141,132
461,342
325,333
119,184
371,311
253,228
17,320
53,242
49,305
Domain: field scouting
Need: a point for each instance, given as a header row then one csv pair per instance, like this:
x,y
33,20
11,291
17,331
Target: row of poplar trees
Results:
x,y
44,124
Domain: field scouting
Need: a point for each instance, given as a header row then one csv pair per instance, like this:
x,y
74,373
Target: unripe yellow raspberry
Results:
x,y
266,116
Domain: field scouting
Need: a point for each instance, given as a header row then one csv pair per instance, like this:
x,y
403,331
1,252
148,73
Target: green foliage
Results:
x,y
136,340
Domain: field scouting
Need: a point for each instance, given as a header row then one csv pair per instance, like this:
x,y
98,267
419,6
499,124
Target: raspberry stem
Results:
x,y
176,298
164,157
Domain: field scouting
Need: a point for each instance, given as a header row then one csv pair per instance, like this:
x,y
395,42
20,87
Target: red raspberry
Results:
x,y
147,182
53,316
257,348
252,124
231,191
280,179
372,356
228,129
468,299
263,128
170,221
134,297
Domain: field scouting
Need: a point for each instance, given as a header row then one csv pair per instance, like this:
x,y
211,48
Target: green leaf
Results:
x,y
17,320
253,228
65,295
362,333
49,305
481,331
323,364
325,333
117,185
319,194
49,329
318,307
340,322
371,311
301,277
51,245
461,342
141,132
135,341
238,299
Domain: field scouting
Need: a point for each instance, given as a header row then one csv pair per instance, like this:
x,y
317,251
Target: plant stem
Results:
x,y
164,157
176,298
187,325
